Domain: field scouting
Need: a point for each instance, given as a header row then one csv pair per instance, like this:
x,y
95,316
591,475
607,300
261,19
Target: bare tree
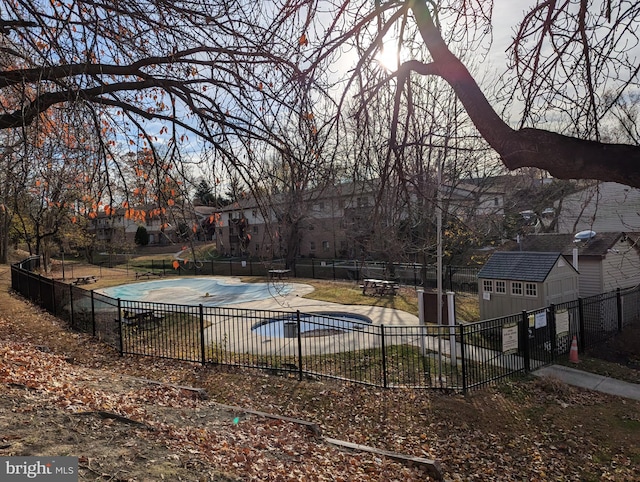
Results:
x,y
153,72
591,62
159,72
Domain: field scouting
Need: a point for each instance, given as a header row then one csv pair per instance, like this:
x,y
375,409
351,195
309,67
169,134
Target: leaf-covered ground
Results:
x,y
62,393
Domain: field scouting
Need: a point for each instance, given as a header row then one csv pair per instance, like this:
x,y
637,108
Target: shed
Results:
x,y
513,281
605,262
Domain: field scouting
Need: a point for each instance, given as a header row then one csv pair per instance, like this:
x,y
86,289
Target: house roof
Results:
x,y
599,245
519,266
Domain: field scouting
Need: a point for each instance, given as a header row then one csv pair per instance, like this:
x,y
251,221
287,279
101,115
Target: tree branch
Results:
x,y
562,156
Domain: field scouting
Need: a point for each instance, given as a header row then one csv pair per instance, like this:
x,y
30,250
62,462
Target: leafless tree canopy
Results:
x,y
225,70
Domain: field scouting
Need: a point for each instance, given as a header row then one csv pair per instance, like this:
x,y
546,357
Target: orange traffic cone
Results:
x,y
573,354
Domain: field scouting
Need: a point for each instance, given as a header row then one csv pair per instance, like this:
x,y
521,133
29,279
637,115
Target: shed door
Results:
x,y
556,294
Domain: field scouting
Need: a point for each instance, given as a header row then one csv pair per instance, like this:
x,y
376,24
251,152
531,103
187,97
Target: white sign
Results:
x,y
562,322
510,338
541,319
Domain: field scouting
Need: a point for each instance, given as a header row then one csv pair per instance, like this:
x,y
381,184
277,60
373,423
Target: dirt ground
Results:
x,y
62,393
622,349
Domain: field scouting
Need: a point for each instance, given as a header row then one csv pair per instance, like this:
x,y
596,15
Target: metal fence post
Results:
x,y
552,331
463,360
619,308
384,357
93,315
71,306
53,298
40,298
119,320
582,338
202,344
525,342
299,331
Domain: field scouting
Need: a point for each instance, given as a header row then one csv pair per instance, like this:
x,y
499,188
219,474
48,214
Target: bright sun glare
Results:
x,y
387,57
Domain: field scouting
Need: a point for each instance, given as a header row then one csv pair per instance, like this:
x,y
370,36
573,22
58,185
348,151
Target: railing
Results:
x,y
460,357
457,278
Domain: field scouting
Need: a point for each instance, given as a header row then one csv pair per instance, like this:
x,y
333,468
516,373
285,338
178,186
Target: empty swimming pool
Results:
x,y
311,324
197,291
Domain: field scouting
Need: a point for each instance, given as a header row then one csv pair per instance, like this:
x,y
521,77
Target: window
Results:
x,y
516,288
325,246
255,229
487,286
312,246
501,287
531,289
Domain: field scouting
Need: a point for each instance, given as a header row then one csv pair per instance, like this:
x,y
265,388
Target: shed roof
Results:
x,y
519,266
564,243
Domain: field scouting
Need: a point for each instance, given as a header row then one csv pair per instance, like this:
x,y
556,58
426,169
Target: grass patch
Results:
x,y
347,293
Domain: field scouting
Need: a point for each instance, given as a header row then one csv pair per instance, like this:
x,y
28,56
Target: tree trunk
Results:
x,y
562,156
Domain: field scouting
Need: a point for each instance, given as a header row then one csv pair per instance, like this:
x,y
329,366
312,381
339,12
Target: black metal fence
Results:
x,y
455,278
337,345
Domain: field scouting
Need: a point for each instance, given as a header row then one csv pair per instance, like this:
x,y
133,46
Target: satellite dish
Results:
x,y
584,236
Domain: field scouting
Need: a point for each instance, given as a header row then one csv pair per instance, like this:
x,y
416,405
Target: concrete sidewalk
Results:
x,y
591,381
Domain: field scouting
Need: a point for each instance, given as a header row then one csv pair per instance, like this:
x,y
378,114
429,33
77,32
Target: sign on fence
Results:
x,y
509,338
562,322
541,320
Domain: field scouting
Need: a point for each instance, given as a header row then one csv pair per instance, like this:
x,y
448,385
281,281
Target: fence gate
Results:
x,y
541,337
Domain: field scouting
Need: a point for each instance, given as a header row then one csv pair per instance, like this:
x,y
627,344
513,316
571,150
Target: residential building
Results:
x,y
600,207
117,228
335,222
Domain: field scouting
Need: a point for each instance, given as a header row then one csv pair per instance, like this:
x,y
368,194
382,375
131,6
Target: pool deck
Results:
x,y
244,340
294,301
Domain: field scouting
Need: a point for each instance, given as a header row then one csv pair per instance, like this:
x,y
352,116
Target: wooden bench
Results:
x,y
84,280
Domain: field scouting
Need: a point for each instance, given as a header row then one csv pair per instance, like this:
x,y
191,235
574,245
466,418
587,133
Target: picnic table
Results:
x,y
279,273
379,287
84,280
145,319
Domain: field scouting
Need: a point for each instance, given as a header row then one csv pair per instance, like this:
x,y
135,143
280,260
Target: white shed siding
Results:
x,y
590,280
621,267
607,207
560,286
